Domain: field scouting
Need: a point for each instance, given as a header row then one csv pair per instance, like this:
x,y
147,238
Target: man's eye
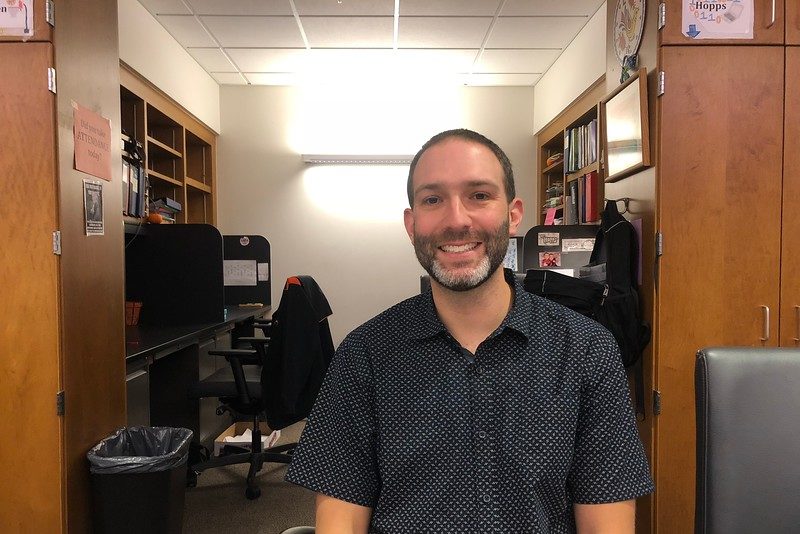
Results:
x,y
481,196
430,201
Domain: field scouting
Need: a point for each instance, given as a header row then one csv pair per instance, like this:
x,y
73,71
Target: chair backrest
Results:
x,y
298,354
748,440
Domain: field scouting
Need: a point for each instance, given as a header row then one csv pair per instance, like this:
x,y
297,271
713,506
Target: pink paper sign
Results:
x,y
550,216
92,142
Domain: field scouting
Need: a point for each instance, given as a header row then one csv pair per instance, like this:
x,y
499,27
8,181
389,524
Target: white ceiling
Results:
x,y
277,42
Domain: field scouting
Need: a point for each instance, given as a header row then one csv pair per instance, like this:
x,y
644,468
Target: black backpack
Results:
x,y
613,303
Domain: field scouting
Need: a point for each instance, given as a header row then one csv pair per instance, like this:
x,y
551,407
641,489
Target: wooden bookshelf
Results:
x,y
180,151
554,179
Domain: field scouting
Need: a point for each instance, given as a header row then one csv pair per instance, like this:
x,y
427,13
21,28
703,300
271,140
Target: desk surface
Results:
x,y
144,340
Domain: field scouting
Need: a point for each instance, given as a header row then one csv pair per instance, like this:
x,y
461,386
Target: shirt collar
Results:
x,y
427,323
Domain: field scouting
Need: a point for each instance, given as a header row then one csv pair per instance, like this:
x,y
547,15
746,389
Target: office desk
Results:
x,y
162,363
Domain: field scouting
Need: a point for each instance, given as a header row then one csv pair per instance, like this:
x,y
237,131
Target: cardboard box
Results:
x,y
268,436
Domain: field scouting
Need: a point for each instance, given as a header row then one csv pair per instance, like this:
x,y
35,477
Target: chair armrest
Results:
x,y
253,340
243,356
237,358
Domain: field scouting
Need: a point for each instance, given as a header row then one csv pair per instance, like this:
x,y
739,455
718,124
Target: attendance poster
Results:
x,y
718,19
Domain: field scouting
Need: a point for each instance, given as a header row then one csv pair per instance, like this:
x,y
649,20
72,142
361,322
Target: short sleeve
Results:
x,y
609,464
336,453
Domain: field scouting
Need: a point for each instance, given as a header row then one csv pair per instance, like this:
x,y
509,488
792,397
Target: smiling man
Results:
x,y
475,406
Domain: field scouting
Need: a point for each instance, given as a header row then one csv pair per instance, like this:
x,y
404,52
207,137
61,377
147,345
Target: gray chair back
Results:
x,y
748,440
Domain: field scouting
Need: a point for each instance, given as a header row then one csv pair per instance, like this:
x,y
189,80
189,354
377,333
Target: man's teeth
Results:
x,y
458,248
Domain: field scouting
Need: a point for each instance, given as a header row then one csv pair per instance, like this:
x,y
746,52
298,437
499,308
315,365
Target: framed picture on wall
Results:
x,y
626,136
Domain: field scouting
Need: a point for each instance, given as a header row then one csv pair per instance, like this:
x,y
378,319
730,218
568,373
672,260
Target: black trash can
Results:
x,y
138,477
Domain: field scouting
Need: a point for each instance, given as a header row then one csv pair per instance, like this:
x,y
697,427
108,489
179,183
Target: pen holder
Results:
x,y
132,309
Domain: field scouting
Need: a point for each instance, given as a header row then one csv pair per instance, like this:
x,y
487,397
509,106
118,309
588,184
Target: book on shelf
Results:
x,y
166,202
126,173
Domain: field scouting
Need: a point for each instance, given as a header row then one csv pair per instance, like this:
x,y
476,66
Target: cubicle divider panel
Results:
x,y
175,270
247,269
563,247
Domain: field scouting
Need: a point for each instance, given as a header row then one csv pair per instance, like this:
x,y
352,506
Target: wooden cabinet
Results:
x,y
179,150
789,325
792,22
554,178
767,29
721,185
62,310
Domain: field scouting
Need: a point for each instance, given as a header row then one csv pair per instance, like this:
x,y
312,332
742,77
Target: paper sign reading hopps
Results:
x,y
718,19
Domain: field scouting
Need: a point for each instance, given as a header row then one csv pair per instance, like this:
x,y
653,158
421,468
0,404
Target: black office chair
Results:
x,y
277,380
748,437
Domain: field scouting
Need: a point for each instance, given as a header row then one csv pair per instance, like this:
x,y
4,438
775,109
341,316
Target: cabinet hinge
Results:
x,y
60,403
57,242
50,13
51,79
659,244
660,83
662,15
656,402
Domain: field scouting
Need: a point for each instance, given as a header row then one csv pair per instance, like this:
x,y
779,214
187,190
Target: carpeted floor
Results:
x,y
218,504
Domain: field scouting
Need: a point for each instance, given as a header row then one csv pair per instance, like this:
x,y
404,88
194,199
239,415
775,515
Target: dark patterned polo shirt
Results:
x,y
436,439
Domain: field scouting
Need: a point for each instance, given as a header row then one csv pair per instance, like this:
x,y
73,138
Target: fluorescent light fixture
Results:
x,y
358,159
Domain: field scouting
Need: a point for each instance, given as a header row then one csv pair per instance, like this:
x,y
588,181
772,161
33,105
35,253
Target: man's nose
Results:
x,y
458,216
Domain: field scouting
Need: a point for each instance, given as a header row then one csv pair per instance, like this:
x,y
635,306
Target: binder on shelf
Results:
x,y
126,171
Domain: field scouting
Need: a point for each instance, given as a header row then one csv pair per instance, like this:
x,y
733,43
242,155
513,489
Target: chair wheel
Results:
x,y
253,493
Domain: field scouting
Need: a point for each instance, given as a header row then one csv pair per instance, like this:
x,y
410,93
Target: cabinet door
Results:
x,y
790,231
792,22
719,198
766,28
31,448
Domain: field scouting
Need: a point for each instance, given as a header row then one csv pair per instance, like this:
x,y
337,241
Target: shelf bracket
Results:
x,y
662,15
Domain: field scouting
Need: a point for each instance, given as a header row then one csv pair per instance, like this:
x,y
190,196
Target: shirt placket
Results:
x,y
484,434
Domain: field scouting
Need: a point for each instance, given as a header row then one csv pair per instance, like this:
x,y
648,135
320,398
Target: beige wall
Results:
x,y
343,225
577,68
147,47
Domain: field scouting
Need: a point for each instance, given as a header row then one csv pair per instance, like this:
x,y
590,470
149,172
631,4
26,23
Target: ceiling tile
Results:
x,y
345,7
252,32
211,59
540,8
268,59
349,32
501,79
165,7
186,30
449,60
451,8
241,7
442,32
272,78
535,32
228,78
516,61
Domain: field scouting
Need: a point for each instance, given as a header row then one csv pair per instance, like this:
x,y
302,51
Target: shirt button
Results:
x,y
481,434
487,499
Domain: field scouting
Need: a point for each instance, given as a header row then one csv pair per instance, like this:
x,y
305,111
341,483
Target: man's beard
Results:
x,y
495,243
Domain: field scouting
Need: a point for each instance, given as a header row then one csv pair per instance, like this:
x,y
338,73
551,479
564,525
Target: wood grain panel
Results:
x,y
719,191
30,499
792,22
763,33
790,235
91,266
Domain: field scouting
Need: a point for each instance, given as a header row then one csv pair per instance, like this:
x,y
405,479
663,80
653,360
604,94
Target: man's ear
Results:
x,y
515,211
408,220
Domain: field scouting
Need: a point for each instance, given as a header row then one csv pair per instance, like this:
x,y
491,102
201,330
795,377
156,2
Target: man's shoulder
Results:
x,y
555,317
393,321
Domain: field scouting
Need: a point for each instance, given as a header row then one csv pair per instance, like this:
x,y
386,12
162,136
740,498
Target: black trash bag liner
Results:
x,y
140,449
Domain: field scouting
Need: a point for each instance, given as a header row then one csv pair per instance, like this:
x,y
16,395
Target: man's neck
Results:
x,y
471,316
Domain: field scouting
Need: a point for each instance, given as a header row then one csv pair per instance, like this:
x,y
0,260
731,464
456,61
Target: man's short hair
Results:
x,y
467,135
